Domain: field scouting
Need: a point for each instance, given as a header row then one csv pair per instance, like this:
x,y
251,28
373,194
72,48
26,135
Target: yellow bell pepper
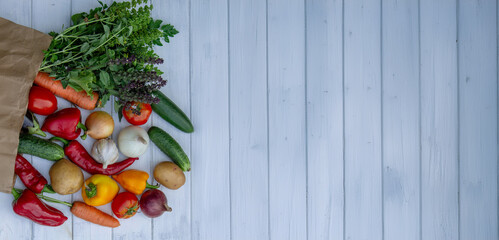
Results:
x,y
99,190
134,181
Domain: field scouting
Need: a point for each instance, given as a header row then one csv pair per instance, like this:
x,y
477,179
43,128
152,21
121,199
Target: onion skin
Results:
x,y
133,141
100,125
153,203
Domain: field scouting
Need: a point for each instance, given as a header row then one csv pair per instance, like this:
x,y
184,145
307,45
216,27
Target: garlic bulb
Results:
x,y
105,152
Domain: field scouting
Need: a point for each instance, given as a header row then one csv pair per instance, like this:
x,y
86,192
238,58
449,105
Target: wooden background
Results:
x,y
315,119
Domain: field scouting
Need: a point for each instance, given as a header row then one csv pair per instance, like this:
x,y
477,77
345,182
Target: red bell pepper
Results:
x,y
31,178
65,124
79,156
28,205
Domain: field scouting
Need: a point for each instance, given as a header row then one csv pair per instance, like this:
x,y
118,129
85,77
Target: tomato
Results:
x,y
125,205
131,115
41,101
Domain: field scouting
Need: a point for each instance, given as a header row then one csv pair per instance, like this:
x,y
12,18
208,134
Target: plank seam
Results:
x,y
381,127
343,108
420,142
306,115
458,126
267,92
228,118
497,106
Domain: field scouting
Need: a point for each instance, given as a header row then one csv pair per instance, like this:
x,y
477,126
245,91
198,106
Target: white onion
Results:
x,y
133,141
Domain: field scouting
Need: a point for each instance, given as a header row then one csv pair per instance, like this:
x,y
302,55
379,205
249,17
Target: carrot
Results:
x,y
94,215
81,99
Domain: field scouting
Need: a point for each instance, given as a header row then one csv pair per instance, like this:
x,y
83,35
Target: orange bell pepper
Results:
x,y
134,181
99,190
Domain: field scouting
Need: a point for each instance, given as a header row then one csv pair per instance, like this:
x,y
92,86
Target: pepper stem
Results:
x,y
49,199
64,141
48,189
36,127
15,193
84,128
90,190
151,186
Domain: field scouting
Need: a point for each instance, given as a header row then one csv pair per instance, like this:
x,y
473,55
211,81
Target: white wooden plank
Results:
x,y
286,108
13,226
16,11
50,16
362,94
439,120
248,120
400,132
325,119
210,115
477,56
177,224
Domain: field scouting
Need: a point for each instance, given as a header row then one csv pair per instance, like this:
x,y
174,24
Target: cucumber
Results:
x,y
167,109
170,147
39,147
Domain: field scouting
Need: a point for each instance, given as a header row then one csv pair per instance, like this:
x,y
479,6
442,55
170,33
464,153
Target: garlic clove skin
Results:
x,y
105,151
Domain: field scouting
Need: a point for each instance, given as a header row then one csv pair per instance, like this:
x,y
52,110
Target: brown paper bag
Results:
x,y
21,54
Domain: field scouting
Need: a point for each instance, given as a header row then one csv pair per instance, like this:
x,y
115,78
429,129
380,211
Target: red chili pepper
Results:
x,y
79,156
28,205
31,178
65,124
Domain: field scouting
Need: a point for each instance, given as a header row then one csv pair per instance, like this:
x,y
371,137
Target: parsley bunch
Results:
x,y
107,48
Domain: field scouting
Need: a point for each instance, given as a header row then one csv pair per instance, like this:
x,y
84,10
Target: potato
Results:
x,y
169,175
65,177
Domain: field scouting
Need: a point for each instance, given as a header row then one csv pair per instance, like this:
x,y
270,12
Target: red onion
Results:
x,y
153,203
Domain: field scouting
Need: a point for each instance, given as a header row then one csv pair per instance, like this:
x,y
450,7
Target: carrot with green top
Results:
x,y
81,99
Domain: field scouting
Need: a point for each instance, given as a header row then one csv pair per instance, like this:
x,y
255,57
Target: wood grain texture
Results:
x,y
60,10
248,120
287,124
13,226
210,115
320,119
325,193
177,224
362,92
439,120
400,131
17,11
477,46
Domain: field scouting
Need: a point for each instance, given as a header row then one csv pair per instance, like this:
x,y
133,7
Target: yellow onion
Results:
x,y
99,125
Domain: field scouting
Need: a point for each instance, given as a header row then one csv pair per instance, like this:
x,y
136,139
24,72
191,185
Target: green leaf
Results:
x,y
90,51
102,39
120,39
106,31
130,30
156,24
110,53
157,42
114,68
82,81
104,78
104,98
53,58
84,47
76,18
119,109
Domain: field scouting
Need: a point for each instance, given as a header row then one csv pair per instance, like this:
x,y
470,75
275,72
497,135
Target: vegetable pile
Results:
x,y
108,51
